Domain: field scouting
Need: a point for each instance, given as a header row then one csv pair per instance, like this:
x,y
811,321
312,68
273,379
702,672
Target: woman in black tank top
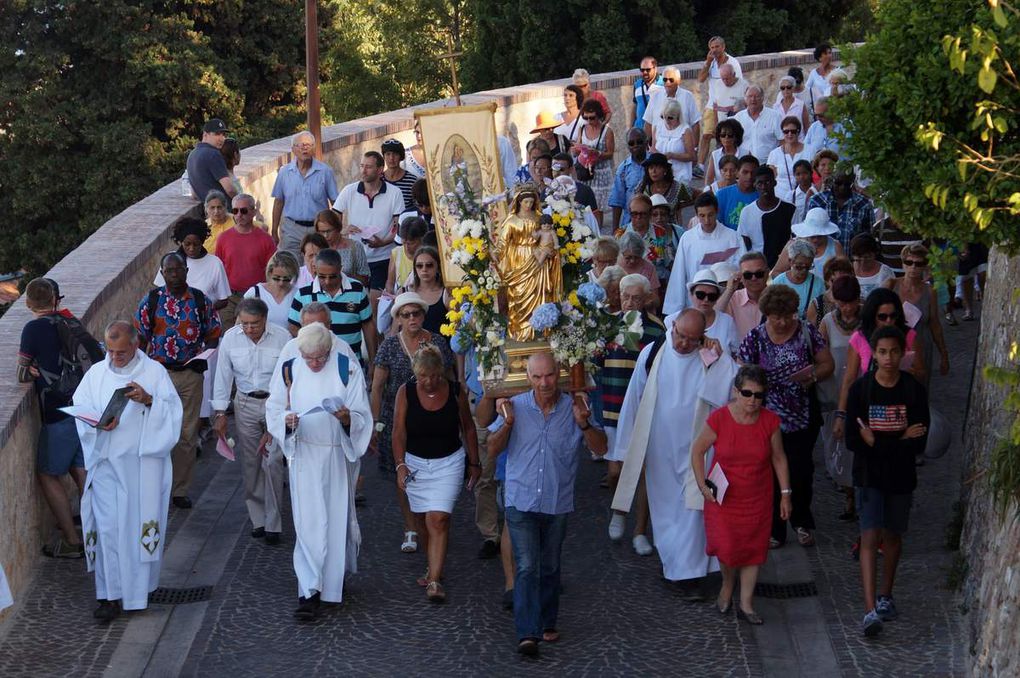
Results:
x,y
432,428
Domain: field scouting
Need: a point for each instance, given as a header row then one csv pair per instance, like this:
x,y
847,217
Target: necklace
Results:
x,y
847,327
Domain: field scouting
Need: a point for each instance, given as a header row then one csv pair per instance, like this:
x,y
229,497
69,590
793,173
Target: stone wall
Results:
x,y
106,276
990,542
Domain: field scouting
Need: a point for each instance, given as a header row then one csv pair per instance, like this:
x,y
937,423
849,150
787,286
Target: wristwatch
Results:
x,y
379,427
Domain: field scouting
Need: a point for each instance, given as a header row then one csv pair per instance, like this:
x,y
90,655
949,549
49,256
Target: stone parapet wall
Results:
x,y
107,275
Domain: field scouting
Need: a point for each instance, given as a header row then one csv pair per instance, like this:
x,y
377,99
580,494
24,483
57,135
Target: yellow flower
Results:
x,y
572,298
560,232
447,330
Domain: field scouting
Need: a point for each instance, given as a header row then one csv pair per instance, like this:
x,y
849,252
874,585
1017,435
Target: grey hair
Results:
x,y
750,372
673,106
800,248
314,308
821,101
120,328
215,195
788,78
244,196
632,243
753,256
313,338
611,275
283,259
729,66
297,137
541,355
632,280
672,69
753,86
252,306
606,244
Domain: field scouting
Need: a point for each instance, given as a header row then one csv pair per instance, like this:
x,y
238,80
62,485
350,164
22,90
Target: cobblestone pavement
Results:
x,y
617,616
929,637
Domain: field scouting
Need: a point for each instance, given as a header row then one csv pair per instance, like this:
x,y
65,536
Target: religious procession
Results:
x,y
696,319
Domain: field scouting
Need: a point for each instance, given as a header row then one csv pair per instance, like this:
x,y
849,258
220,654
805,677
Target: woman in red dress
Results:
x,y
748,448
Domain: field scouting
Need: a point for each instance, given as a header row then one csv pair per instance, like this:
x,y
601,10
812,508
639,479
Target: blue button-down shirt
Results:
x,y
305,195
628,176
541,455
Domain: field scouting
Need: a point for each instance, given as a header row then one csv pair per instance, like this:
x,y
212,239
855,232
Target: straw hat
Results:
x,y
545,120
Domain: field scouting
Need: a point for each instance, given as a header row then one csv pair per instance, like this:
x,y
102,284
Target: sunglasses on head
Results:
x,y
748,393
886,317
240,210
754,274
701,295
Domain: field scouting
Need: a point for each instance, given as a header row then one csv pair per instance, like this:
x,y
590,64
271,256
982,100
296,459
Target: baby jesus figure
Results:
x,y
546,242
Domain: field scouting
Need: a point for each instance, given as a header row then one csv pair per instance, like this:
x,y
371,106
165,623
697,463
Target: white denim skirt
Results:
x,y
437,482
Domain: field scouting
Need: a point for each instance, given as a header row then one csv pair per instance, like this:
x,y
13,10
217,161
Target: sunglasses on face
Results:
x,y
645,70
748,393
425,264
754,274
635,143
282,278
701,295
240,210
785,87
726,135
886,317
406,315
669,79
588,118
913,262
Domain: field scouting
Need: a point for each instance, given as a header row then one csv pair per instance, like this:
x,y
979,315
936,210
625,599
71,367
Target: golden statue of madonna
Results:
x,y
528,261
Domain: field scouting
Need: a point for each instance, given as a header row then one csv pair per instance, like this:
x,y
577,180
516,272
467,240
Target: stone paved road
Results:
x,y
617,616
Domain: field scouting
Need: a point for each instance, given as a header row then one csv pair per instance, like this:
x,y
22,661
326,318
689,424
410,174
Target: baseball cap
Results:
x,y
215,126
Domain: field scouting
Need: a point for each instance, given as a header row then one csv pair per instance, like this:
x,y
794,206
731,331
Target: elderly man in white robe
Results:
x,y
318,406
674,377
128,472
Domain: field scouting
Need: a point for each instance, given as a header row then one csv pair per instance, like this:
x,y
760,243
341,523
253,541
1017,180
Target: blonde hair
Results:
x,y
914,249
428,360
283,259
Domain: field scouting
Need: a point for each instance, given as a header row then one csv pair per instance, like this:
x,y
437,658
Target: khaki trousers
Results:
x,y
486,510
228,314
189,388
263,476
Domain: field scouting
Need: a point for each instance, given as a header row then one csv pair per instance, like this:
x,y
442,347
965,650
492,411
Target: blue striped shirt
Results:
x,y
348,309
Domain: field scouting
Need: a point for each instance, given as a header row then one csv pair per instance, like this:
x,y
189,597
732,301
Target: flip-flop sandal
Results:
x,y
424,579
550,635
435,593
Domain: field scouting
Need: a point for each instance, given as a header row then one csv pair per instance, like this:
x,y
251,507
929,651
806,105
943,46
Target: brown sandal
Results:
x,y
435,593
424,579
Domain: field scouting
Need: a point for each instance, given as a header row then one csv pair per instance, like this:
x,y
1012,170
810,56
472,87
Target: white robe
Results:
x,y
127,489
323,462
698,250
679,530
6,600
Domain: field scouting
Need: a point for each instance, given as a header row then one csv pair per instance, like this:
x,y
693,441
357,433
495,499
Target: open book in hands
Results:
x,y
114,408
329,404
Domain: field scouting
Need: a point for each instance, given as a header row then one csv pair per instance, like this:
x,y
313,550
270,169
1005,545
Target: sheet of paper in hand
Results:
x,y
224,448
329,404
708,356
721,482
911,314
114,408
715,257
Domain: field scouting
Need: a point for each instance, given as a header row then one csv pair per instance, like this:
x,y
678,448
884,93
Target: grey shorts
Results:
x,y
883,510
59,448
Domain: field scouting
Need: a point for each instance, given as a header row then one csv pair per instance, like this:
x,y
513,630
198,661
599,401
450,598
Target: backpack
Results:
x,y
343,366
79,351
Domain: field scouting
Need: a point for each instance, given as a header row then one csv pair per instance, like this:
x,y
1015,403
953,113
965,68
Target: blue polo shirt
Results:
x,y
305,195
348,309
541,455
629,175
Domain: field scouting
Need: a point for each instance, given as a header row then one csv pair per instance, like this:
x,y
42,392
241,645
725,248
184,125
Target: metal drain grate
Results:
x,y
164,596
802,590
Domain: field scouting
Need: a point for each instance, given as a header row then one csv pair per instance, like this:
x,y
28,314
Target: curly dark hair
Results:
x,y
186,226
733,126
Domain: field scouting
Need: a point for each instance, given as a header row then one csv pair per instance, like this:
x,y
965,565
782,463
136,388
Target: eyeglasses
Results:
x,y
791,131
801,267
886,317
325,231
645,70
748,393
240,210
913,262
281,278
786,87
417,313
316,359
754,274
701,295
669,79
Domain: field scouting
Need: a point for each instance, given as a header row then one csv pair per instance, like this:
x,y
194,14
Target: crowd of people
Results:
x,y
769,322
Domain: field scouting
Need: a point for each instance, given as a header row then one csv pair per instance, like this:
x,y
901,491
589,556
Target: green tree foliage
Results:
x,y
103,100
933,122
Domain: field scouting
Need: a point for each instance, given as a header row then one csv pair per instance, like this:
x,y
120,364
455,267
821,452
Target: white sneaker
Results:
x,y
616,526
642,546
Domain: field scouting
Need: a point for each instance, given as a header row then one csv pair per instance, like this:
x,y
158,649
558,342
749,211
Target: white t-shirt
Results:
x,y
870,282
717,155
715,80
278,312
653,112
374,218
729,96
783,164
763,134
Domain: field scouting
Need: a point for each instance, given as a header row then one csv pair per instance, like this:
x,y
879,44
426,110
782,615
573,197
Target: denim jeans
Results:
x,y
536,539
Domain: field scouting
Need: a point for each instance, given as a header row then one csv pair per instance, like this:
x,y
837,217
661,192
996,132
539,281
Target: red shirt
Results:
x,y
245,256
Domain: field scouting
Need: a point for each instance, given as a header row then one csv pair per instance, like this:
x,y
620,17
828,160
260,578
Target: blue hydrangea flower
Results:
x,y
591,293
545,317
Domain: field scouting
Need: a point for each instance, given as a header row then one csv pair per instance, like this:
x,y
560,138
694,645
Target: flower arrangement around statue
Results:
x,y
580,329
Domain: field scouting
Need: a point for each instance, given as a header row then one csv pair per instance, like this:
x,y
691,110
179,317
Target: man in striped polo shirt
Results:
x,y
350,313
617,366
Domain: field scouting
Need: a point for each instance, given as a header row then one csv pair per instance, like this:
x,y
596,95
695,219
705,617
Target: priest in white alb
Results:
x,y
318,406
127,486
676,383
